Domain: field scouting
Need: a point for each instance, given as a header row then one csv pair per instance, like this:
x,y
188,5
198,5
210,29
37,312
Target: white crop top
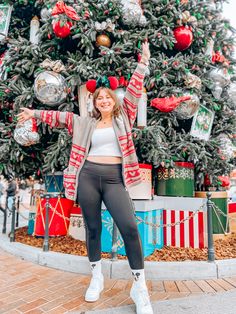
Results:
x,y
104,143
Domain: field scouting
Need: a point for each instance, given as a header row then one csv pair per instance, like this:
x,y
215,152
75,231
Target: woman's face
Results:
x,y
104,102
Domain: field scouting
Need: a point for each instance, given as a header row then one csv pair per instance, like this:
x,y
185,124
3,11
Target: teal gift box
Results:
x,y
31,223
151,236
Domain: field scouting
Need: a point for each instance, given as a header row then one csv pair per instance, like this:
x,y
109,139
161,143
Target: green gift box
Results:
x,y
176,181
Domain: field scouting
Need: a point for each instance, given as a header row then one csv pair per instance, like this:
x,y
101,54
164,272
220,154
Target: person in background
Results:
x,y
11,192
1,190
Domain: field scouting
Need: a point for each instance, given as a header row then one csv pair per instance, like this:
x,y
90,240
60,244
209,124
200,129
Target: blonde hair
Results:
x,y
116,109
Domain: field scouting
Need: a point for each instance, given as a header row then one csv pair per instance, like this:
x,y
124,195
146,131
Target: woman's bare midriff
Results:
x,y
105,159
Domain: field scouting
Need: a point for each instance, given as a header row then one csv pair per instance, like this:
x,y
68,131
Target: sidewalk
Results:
x,y
27,287
33,289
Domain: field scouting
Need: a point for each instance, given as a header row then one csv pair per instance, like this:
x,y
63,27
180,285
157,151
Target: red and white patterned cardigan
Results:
x,y
81,128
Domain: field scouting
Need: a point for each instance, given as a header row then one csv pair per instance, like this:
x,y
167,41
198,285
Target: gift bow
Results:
x,y
69,11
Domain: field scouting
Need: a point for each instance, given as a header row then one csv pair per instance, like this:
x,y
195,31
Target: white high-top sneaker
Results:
x,y
96,284
139,293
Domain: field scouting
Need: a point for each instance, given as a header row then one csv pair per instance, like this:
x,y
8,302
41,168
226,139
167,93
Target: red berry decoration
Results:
x,y
184,37
62,30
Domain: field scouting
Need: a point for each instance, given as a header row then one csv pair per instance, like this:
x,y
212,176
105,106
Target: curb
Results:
x,y
187,270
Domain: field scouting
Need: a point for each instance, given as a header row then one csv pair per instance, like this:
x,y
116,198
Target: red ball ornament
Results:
x,y
184,37
62,30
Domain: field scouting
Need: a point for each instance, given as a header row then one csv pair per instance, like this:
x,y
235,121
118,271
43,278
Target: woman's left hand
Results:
x,y
145,52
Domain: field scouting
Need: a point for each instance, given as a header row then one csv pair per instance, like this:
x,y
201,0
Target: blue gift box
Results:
x,y
31,223
151,236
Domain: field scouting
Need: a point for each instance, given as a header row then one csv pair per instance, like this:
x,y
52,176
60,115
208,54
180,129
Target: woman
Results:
x,y
103,163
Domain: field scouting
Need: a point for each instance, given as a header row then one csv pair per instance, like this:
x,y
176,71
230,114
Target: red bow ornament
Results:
x,y
62,8
168,104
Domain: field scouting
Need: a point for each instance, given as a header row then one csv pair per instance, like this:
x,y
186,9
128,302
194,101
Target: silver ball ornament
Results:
x,y
45,14
24,134
232,93
187,109
50,88
219,79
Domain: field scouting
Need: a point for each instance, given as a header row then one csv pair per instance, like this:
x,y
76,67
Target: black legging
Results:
x,y
103,182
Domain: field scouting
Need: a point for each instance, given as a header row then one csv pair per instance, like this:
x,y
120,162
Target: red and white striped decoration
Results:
x,y
191,233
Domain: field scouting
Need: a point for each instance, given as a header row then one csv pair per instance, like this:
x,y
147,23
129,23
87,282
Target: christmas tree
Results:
x,y
49,49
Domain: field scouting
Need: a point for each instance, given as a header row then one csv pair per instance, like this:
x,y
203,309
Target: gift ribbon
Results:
x,y
62,8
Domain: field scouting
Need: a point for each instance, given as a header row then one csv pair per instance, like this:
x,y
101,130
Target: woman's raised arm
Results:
x,y
55,119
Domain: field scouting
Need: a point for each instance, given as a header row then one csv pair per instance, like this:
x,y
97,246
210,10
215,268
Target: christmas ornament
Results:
x,y
132,13
26,133
187,108
187,18
219,79
193,81
224,181
120,94
34,30
168,104
50,88
62,8
61,29
105,26
232,93
103,40
142,110
184,38
45,14
55,66
226,148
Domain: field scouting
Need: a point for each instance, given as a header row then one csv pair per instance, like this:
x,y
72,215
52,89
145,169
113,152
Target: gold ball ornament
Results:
x,y
103,40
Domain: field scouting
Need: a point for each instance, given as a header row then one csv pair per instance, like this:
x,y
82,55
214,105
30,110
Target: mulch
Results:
x,y
224,248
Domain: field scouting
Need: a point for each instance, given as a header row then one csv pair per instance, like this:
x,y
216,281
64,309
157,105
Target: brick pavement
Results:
x,y
29,288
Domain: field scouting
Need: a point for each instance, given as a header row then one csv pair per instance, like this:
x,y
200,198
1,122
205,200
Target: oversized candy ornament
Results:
x,y
26,133
232,93
50,88
220,78
186,110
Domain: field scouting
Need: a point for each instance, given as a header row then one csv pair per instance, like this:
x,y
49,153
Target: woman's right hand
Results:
x,y
25,115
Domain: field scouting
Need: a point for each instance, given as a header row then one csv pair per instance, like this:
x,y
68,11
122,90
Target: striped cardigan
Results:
x,y
81,128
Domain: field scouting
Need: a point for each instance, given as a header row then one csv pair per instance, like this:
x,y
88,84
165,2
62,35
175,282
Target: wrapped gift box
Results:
x,y
76,228
232,217
190,233
143,191
152,237
30,230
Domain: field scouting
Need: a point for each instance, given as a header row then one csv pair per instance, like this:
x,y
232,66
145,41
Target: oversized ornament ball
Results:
x,y
186,110
219,79
132,13
50,88
26,133
184,37
232,93
61,30
120,94
103,40
226,147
